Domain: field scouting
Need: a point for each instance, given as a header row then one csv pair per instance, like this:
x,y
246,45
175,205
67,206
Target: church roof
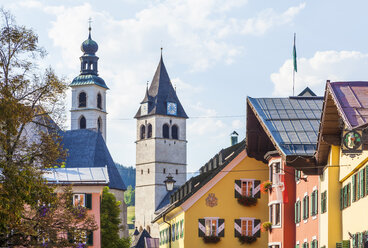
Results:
x,y
138,242
88,79
160,92
87,148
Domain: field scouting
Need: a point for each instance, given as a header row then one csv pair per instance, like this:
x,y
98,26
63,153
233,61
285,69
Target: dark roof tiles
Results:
x,y
87,148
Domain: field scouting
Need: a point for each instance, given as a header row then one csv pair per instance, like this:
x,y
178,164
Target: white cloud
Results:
x,y
314,71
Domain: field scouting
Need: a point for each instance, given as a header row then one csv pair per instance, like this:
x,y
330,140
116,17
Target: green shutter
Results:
x,y
316,203
366,180
354,187
181,228
90,238
341,199
358,185
307,212
345,196
177,230
345,244
89,201
349,194
296,212
362,183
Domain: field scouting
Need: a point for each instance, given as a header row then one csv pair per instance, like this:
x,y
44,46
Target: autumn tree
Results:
x,y
30,110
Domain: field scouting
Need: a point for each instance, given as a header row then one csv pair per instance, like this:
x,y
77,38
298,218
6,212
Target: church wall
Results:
x,y
119,195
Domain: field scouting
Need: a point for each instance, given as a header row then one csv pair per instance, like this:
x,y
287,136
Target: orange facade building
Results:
x,y
282,132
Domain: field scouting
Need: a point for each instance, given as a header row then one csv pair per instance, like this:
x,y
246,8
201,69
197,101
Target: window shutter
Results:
x,y
257,228
354,187
238,191
257,189
339,245
316,202
345,196
345,244
312,203
237,228
89,201
366,180
221,227
201,228
341,199
349,194
296,212
358,186
90,238
181,228
177,230
307,212
362,186
173,232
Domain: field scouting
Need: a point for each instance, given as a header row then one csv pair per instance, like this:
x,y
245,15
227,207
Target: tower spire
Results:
x,y
89,27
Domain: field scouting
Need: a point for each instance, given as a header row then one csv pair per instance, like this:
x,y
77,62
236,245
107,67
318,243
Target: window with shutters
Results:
x,y
305,207
345,197
79,200
362,183
314,243
324,202
354,183
298,175
247,187
181,228
211,227
305,245
247,227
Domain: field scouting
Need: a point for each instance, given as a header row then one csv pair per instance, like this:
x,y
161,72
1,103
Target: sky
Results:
x,y
216,53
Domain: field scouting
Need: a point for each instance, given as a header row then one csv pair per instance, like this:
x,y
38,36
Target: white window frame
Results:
x,y
247,180
274,243
271,164
84,199
246,219
205,225
273,204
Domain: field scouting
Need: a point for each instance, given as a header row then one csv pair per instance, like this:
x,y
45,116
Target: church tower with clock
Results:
x,y
161,148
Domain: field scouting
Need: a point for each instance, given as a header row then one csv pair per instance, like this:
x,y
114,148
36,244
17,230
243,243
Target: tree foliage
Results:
x,y
110,222
29,143
129,196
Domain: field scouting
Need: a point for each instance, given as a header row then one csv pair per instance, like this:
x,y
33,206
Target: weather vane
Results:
x,y
89,22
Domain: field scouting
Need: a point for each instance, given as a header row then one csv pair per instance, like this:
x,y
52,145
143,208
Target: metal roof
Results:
x,y
88,79
352,101
77,175
292,122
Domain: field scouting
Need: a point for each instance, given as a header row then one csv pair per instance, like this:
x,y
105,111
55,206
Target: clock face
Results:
x,y
144,108
171,108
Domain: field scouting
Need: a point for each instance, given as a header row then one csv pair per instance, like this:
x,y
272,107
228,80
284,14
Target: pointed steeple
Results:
x,y
161,91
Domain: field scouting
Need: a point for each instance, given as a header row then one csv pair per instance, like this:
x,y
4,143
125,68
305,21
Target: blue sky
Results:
x,y
216,52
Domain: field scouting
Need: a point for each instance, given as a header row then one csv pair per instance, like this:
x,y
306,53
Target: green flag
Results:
x,y
294,55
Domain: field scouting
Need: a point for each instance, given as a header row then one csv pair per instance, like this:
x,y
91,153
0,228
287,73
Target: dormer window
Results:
x,y
99,101
82,100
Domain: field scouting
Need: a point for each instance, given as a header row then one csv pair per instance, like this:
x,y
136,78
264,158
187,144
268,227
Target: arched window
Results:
x,y
82,98
99,101
99,124
143,132
174,132
82,123
149,131
165,131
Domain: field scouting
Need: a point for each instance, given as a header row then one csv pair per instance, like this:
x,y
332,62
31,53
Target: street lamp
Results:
x,y
169,182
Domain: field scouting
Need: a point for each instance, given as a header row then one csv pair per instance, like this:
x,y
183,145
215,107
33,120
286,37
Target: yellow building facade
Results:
x,y
212,213
342,157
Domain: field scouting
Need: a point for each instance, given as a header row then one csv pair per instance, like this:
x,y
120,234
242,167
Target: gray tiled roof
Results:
x,y
160,92
87,148
292,122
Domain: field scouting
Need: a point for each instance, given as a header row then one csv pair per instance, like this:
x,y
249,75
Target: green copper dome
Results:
x,y
88,80
89,46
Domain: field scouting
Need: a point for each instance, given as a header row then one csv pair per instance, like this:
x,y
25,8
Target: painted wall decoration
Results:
x,y
211,200
352,141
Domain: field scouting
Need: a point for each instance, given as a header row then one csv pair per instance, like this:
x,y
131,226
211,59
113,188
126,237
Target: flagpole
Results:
x,y
294,63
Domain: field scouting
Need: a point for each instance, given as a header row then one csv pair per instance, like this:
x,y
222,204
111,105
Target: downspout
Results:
x,y
163,218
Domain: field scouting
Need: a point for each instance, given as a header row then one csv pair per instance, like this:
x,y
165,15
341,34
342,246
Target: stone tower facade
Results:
x,y
161,148
89,92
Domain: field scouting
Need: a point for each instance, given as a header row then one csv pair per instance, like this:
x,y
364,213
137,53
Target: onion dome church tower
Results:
x,y
161,148
89,92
